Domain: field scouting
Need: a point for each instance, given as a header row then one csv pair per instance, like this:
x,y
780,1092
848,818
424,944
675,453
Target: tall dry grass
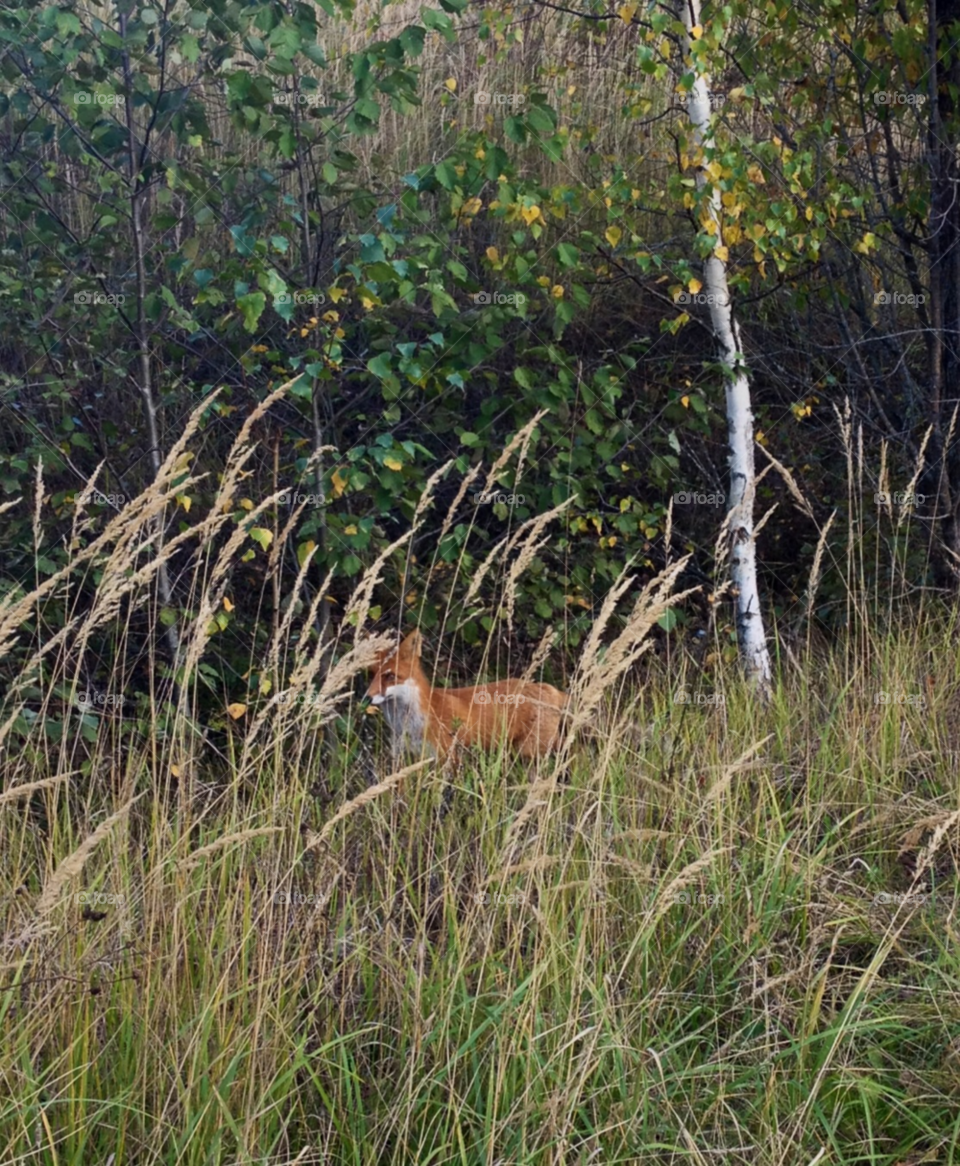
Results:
x,y
707,927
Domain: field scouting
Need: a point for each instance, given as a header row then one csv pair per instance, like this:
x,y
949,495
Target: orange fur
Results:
x,y
439,720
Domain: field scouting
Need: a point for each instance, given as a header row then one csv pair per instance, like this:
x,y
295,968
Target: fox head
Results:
x,y
397,670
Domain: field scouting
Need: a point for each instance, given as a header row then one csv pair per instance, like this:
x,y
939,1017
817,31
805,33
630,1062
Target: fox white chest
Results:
x,y
402,707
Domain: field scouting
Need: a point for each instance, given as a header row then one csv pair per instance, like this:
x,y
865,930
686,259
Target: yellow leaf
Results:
x,y
246,504
185,501
227,605
392,463
627,12
351,529
722,252
175,770
755,174
809,213
696,32
236,710
337,294
715,171
451,84
472,206
493,255
543,280
694,286
557,291
262,537
303,550
612,235
685,402
338,482
761,437
530,214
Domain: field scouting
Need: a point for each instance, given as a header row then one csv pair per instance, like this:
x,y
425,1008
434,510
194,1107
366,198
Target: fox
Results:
x,y
438,722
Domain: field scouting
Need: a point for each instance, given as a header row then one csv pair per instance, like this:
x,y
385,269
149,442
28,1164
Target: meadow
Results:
x,y
711,928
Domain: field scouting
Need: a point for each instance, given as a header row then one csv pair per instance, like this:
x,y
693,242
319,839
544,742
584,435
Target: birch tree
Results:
x,y
751,636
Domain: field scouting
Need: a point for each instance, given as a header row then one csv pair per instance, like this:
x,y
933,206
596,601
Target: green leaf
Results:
x,y
252,306
569,255
669,620
380,366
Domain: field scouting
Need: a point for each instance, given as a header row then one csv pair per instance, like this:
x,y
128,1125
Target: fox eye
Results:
x,y
389,676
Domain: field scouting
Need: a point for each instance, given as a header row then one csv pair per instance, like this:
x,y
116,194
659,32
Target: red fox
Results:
x,y
438,720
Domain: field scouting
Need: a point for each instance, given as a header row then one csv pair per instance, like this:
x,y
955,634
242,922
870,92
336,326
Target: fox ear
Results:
x,y
412,644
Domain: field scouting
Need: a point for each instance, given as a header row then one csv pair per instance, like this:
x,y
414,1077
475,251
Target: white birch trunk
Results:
x,y
751,637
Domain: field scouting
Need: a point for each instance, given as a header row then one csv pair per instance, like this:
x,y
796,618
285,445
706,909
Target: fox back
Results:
x,y
438,720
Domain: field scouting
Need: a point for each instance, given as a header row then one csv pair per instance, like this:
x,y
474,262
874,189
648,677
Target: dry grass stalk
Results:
x,y
22,791
789,481
815,569
601,666
362,598
526,532
540,653
684,879
531,544
521,439
235,839
942,826
361,800
918,470
74,863
719,788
